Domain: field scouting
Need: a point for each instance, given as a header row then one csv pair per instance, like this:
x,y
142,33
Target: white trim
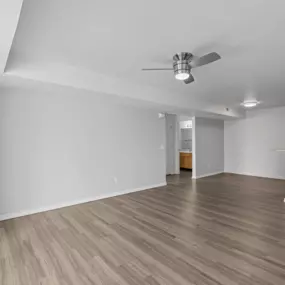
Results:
x,y
209,174
72,203
193,148
256,175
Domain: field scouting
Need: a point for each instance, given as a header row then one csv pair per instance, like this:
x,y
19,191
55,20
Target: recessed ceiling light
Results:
x,y
250,104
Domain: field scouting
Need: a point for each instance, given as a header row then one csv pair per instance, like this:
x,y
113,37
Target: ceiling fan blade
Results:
x,y
205,59
156,69
190,79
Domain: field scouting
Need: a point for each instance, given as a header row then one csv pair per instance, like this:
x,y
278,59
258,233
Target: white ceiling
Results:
x,y
101,46
9,16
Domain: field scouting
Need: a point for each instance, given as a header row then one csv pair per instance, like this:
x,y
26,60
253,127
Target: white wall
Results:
x,y
250,144
185,124
171,139
185,139
208,147
62,148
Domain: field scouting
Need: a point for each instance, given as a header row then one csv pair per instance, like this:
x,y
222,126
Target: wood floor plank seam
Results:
x,y
221,230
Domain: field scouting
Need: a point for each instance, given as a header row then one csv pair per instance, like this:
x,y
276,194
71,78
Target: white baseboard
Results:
x,y
206,175
256,175
67,204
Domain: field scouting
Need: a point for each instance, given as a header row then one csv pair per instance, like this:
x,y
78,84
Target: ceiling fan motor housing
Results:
x,y
181,67
181,63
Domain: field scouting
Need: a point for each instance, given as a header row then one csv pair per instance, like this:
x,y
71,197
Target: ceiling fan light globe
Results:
x,y
182,76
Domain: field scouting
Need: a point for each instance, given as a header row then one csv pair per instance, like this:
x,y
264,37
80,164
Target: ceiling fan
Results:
x,y
184,62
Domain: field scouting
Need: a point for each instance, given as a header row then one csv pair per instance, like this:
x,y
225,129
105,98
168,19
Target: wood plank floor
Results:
x,y
225,229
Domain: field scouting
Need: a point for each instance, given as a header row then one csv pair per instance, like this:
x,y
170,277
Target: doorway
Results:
x,y
179,144
185,145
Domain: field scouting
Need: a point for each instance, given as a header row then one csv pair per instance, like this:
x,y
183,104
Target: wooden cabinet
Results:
x,y
185,160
